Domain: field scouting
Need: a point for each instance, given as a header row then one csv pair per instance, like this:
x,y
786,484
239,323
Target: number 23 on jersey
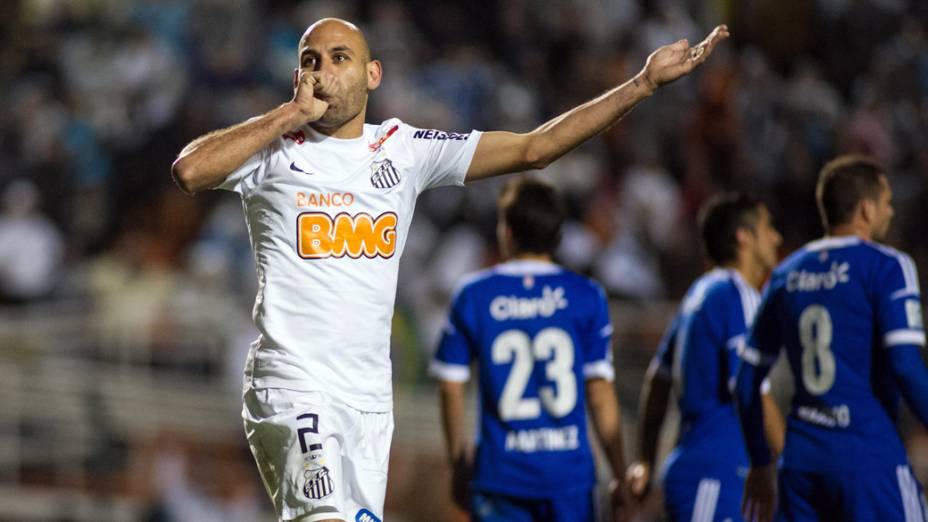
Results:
x,y
553,345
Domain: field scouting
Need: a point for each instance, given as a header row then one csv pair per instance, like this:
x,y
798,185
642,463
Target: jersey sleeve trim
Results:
x,y
765,386
736,342
897,337
449,372
904,292
599,370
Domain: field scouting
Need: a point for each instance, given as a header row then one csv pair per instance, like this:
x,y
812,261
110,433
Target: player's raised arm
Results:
x,y
504,152
209,159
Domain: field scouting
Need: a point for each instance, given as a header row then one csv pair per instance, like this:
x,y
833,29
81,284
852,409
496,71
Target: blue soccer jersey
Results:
x,y
537,332
842,307
703,476
699,352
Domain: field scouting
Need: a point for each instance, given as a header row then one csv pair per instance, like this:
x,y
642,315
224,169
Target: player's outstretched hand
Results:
x,y
670,62
759,494
306,93
638,478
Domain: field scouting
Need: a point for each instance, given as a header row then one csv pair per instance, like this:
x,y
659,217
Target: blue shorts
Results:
x,y
886,494
493,507
703,495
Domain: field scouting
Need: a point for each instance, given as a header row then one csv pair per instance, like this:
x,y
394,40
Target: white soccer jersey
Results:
x,y
328,219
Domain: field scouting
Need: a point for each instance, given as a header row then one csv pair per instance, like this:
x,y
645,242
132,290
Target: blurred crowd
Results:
x,y
100,95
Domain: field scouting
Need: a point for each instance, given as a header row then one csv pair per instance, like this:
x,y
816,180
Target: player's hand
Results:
x,y
460,481
759,495
670,62
306,94
638,479
621,504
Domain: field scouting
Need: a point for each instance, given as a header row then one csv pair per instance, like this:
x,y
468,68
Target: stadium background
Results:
x,y
126,304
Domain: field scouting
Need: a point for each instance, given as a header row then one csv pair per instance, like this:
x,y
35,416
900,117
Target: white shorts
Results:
x,y
318,457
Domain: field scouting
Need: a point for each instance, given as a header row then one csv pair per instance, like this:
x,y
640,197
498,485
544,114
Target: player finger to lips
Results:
x,y
325,83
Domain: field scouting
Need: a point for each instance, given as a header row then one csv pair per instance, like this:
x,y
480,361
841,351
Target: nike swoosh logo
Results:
x,y
298,169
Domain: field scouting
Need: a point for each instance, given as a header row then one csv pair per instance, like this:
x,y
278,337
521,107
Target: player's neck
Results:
x,y
751,272
851,229
531,256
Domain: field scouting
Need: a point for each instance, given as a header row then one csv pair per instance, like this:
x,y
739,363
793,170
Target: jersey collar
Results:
x,y
827,243
528,266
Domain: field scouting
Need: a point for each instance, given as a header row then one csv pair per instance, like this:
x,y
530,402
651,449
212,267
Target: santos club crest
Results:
x,y
385,175
318,483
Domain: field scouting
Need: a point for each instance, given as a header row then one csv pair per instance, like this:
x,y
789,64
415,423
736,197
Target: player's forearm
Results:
x,y
912,376
774,425
562,134
751,413
208,160
653,405
607,421
452,418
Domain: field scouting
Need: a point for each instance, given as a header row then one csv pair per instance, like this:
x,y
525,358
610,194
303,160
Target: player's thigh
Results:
x,y
492,507
366,457
297,439
703,498
888,494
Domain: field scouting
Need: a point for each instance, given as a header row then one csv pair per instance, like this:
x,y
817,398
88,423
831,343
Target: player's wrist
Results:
x,y
297,113
644,83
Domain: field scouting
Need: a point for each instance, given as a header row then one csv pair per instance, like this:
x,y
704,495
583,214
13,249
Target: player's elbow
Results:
x,y
538,152
185,176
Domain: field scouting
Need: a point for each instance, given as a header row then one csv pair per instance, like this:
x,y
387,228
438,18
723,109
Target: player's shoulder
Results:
x,y
886,254
716,284
854,249
816,249
580,282
414,134
715,278
473,282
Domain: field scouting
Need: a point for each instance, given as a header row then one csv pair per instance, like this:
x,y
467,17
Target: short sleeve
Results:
x,y
441,158
597,349
898,302
245,178
454,354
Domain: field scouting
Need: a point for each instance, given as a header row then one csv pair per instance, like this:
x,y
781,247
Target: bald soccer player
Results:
x,y
328,200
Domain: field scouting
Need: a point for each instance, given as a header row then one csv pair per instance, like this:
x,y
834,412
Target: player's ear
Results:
x,y
742,236
374,74
296,77
867,210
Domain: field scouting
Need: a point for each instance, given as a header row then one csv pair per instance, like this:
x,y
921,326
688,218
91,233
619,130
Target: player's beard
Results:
x,y
341,111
